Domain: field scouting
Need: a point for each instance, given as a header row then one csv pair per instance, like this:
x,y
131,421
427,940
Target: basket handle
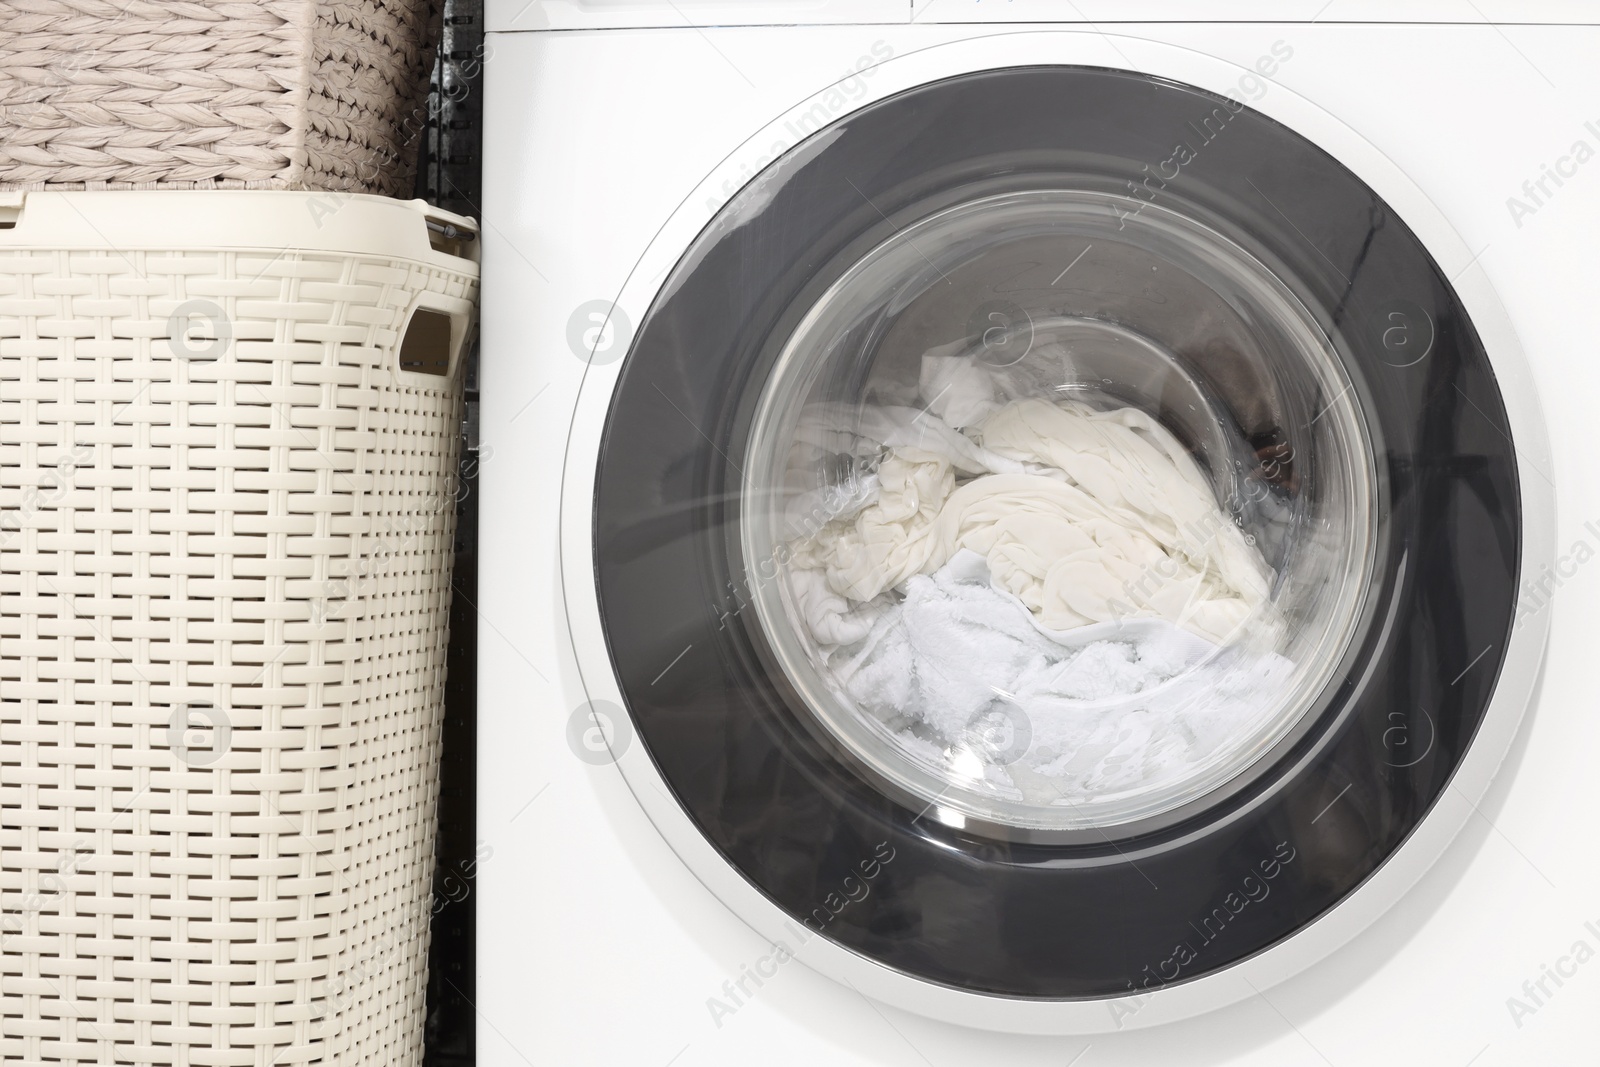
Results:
x,y
434,336
11,205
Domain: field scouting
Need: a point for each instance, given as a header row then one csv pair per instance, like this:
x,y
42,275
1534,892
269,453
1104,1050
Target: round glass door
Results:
x,y
1038,567
1053,549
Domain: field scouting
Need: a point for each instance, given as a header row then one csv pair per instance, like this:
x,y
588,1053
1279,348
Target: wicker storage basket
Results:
x,y
202,94
228,427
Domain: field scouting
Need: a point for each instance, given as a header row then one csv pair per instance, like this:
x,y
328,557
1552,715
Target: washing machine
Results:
x,y
1038,533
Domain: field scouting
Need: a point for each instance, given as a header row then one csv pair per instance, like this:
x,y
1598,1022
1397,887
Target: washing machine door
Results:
x,y
1056,533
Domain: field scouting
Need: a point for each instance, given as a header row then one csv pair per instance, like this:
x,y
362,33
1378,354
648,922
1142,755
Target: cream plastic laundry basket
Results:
x,y
228,426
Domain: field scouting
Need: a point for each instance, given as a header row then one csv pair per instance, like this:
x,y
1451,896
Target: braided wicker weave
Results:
x,y
226,516
202,94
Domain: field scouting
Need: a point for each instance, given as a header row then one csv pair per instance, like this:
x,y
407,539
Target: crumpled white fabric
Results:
x,y
958,390
837,433
1086,516
959,665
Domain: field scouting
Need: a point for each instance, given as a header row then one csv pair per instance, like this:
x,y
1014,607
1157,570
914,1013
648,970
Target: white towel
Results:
x,y
960,667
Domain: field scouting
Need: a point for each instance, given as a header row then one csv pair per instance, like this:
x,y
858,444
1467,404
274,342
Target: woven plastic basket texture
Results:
x,y
226,512
202,94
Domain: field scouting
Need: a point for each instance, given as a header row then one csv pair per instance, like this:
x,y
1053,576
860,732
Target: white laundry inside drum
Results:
x,y
1047,590
1062,590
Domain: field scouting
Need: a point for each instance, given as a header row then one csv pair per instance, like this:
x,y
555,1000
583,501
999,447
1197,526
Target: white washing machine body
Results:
x,y
611,930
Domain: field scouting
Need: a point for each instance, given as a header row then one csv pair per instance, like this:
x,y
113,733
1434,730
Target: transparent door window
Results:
x,y
1070,505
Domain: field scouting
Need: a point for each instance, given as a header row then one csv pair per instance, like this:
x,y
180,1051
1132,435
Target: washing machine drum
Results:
x,y
1056,529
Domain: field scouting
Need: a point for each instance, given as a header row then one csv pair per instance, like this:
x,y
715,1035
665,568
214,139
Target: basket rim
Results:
x,y
237,220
